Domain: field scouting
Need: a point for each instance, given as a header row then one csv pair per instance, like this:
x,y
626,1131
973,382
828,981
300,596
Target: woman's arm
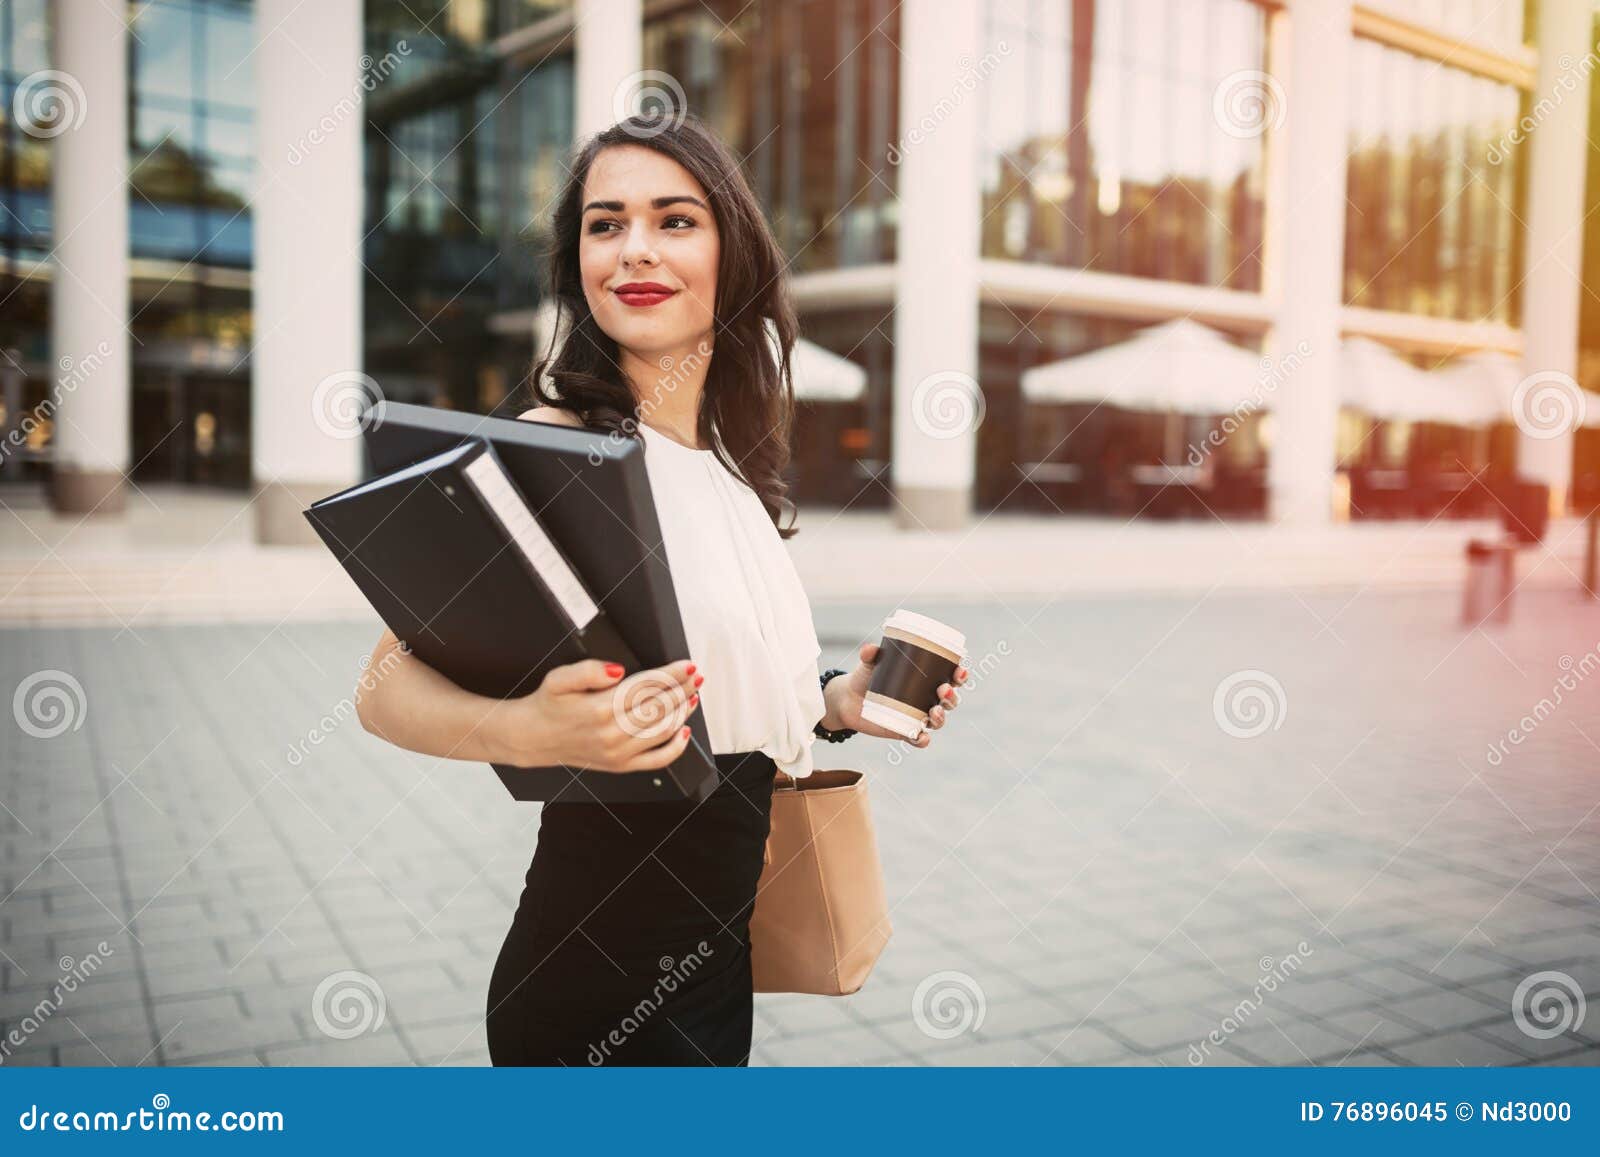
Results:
x,y
584,714
403,700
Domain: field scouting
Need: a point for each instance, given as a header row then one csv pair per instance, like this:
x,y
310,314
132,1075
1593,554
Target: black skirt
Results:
x,y
631,943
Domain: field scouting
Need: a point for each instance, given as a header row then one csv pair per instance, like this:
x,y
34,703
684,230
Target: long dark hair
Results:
x,y
747,405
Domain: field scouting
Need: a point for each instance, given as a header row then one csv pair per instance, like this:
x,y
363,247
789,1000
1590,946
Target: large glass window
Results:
x,y
1102,147
24,156
447,36
1431,222
805,91
192,130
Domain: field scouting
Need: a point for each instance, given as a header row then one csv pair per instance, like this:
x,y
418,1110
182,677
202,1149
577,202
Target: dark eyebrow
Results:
x,y
658,203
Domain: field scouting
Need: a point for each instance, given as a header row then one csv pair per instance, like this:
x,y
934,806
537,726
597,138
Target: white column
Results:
x,y
307,389
85,111
938,403
1557,150
608,51
1311,64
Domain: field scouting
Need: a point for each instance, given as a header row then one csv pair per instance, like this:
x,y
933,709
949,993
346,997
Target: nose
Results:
x,y
636,248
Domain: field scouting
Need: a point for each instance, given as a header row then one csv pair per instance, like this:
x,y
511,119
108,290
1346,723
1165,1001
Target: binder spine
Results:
x,y
538,550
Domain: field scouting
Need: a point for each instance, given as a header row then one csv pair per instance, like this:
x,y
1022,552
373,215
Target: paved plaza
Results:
x,y
1284,827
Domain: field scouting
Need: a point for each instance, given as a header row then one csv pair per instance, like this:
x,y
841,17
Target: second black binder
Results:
x,y
459,568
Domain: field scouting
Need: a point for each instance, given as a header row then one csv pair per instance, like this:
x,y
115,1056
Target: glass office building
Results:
x,y
1103,199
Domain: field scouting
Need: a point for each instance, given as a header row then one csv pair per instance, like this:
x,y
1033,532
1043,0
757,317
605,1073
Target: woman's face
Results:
x,y
647,222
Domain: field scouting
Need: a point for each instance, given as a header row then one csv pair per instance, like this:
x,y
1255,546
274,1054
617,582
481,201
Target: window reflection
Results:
x,y
24,159
1100,150
190,167
1431,219
806,91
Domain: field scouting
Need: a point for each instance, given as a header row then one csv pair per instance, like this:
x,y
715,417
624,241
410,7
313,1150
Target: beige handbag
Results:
x,y
820,919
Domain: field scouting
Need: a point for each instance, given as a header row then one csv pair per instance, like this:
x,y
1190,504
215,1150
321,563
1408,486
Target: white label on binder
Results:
x,y
490,479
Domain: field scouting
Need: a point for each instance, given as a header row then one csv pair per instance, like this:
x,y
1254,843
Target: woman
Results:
x,y
631,942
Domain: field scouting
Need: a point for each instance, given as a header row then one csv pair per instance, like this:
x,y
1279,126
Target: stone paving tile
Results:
x,y
1111,872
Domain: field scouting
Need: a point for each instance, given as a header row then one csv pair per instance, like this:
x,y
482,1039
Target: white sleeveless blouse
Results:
x,y
745,614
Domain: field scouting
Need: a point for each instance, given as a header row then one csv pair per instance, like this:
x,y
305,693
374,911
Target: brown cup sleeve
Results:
x,y
909,674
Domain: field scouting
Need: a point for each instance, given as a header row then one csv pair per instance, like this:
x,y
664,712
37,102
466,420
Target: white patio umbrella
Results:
x,y
820,375
823,376
1179,366
1382,384
1491,379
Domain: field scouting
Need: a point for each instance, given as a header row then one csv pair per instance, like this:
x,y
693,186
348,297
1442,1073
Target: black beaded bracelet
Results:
x,y
819,730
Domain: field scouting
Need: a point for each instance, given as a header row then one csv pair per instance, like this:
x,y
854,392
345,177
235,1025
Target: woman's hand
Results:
x,y
586,715
844,695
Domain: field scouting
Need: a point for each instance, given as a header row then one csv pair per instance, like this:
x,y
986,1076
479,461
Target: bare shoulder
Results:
x,y
552,414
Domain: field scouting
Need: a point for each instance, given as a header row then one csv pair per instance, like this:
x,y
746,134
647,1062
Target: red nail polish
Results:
x,y
613,669
690,669
699,679
693,700
684,734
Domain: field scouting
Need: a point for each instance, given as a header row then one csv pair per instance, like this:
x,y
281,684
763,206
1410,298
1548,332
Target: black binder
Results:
x,y
456,563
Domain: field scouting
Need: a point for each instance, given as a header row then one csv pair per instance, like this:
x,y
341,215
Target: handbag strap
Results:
x,y
778,778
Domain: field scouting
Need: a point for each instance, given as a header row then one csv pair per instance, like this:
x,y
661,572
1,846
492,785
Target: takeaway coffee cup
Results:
x,y
916,654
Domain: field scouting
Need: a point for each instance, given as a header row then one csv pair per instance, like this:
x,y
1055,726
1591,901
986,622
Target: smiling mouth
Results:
x,y
644,297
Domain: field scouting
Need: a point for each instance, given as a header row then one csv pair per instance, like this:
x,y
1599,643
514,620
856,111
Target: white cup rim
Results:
x,y
931,629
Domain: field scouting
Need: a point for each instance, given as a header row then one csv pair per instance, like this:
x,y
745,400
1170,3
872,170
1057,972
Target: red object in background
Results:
x,y
856,438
